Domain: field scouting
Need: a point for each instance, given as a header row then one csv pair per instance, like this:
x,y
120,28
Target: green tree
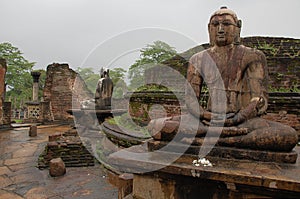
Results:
x,y
18,79
89,77
118,75
151,55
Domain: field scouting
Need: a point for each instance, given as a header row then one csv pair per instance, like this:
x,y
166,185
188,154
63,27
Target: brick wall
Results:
x,y
166,104
3,69
63,85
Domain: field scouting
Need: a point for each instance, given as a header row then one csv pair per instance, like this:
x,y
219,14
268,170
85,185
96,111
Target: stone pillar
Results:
x,y
35,88
33,131
3,69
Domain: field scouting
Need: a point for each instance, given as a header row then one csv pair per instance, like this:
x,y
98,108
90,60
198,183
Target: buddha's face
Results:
x,y
222,30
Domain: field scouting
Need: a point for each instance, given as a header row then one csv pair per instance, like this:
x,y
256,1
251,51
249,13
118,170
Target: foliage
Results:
x,y
127,124
151,55
292,89
152,87
270,48
89,77
118,75
18,79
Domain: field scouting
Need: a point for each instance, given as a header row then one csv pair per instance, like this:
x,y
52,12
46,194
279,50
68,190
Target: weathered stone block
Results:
x,y
57,167
125,185
54,137
33,131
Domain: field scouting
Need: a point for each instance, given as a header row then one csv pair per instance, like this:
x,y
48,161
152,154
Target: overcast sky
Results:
x,y
94,33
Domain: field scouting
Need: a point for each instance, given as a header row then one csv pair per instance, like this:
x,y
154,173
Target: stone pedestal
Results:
x,y
123,182
226,178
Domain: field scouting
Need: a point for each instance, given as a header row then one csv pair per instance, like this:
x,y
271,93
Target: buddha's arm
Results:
x,y
193,93
256,75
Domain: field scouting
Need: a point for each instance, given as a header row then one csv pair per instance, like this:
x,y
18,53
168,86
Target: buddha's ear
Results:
x,y
239,23
237,38
211,40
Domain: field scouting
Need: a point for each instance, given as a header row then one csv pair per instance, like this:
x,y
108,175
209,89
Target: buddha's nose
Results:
x,y
221,28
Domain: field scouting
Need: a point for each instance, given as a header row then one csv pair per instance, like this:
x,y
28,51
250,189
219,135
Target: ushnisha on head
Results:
x,y
224,27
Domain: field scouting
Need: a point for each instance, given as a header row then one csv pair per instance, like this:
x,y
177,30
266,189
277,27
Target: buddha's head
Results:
x,y
224,27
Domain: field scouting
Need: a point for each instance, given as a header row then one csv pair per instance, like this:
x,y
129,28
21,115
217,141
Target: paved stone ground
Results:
x,y
19,177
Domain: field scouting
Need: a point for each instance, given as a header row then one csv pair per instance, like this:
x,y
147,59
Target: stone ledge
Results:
x,y
274,177
228,152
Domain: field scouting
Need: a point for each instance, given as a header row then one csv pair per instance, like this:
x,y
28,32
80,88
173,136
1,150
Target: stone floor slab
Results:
x,y
39,192
4,170
9,195
16,161
26,151
19,177
5,181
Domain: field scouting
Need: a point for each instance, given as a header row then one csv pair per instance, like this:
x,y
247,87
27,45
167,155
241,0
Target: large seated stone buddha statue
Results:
x,y
236,77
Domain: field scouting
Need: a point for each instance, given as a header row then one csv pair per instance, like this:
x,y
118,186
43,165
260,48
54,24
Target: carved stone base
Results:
x,y
226,178
227,152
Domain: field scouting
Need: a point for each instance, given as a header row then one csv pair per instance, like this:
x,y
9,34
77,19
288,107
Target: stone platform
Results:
x,y
226,178
227,152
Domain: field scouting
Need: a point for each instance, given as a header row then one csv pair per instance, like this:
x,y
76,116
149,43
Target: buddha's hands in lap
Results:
x,y
230,119
234,119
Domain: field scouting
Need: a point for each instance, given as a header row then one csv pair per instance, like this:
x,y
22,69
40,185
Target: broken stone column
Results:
x,y
57,167
35,88
3,69
33,106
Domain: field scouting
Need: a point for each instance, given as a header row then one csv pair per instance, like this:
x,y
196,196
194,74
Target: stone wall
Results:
x,y
63,89
5,107
3,68
282,57
6,113
141,105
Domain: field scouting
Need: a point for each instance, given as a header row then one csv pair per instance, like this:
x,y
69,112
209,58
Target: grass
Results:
x,y
128,124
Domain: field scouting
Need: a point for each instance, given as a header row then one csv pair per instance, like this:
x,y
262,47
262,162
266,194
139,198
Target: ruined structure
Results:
x,y
63,89
69,147
5,107
2,87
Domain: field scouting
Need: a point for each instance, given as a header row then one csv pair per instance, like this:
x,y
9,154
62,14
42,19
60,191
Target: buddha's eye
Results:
x,y
215,23
226,23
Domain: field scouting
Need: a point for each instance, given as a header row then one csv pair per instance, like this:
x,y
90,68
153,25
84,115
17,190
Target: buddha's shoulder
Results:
x,y
250,51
